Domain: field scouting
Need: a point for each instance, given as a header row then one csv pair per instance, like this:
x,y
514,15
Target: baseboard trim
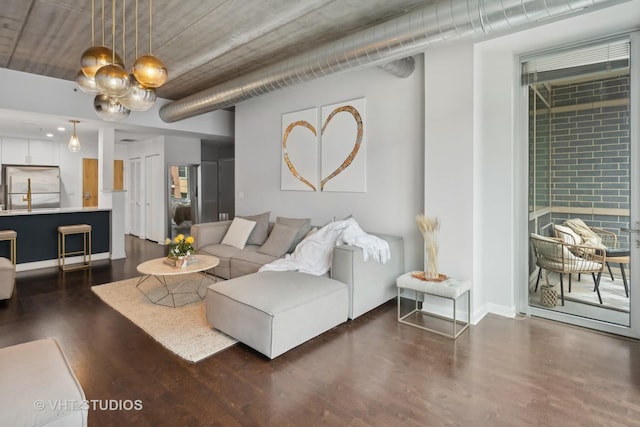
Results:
x,y
27,266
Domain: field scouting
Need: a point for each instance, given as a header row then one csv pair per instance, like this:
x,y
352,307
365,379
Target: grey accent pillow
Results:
x,y
279,240
303,225
261,231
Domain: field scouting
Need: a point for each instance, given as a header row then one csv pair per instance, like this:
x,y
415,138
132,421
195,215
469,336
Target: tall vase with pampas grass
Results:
x,y
429,227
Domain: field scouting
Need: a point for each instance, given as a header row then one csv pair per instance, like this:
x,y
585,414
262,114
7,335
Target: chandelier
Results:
x,y
103,73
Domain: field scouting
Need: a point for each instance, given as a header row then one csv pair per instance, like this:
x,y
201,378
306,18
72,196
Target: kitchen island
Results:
x,y
37,240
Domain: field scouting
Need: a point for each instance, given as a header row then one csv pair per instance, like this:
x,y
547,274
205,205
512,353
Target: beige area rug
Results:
x,y
183,330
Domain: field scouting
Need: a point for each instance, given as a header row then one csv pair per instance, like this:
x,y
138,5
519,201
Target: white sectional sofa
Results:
x,y
38,387
274,311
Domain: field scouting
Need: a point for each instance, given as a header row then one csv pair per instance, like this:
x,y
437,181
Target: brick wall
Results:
x,y
590,151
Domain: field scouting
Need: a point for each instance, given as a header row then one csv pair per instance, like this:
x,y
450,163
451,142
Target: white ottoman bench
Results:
x,y
38,387
274,311
451,289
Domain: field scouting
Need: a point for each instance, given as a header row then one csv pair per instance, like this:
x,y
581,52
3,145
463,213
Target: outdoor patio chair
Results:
x,y
554,255
577,232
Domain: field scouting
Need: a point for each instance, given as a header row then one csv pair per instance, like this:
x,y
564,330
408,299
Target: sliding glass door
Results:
x,y
583,183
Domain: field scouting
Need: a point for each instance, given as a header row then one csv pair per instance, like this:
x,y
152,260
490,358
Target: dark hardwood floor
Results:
x,y
371,371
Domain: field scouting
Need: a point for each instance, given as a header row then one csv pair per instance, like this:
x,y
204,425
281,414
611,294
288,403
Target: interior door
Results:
x,y
153,199
135,198
89,183
118,175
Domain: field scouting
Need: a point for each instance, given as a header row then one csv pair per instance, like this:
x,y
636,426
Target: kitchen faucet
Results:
x,y
27,198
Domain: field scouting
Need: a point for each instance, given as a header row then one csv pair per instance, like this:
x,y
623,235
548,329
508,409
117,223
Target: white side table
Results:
x,y
451,289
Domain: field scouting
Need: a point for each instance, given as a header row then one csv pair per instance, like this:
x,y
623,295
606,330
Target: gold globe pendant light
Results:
x,y
112,79
140,98
86,84
103,73
110,109
97,56
149,70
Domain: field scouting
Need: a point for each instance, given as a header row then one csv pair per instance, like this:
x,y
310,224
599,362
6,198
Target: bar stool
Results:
x,y
10,235
63,232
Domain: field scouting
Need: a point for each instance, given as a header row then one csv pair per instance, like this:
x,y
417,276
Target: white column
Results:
x,y
117,225
106,147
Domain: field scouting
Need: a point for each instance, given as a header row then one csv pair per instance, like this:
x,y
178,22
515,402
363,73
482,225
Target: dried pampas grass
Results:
x,y
427,225
429,228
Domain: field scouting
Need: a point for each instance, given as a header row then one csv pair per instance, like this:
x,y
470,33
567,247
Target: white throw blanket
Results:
x,y
313,254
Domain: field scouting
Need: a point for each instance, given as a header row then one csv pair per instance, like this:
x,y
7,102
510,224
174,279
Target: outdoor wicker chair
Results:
x,y
554,255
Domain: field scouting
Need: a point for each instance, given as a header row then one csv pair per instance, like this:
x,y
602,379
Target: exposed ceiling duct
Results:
x,y
397,38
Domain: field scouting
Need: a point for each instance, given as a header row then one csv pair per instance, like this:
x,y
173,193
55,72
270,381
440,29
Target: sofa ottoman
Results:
x,y
7,278
38,387
274,311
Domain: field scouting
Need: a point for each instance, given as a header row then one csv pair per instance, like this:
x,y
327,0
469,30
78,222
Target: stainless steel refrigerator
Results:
x,y
45,186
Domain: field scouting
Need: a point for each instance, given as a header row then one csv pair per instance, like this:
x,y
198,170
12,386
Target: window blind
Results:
x,y
577,61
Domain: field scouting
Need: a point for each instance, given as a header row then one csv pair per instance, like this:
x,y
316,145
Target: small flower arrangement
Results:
x,y
180,246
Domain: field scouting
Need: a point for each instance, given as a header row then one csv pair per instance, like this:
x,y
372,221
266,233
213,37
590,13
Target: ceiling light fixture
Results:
x,y
74,142
148,69
117,91
94,57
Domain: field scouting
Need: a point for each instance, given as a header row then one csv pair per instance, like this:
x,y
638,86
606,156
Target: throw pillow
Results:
x,y
261,231
279,240
303,225
238,232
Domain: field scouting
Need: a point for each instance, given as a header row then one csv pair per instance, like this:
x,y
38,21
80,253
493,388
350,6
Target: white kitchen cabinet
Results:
x,y
43,153
17,151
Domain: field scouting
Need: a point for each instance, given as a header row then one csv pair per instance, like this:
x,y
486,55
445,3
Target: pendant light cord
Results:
x,y
102,22
124,47
136,29
113,31
93,28
150,25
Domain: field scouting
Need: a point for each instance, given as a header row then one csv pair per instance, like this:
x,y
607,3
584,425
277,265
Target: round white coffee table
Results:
x,y
160,270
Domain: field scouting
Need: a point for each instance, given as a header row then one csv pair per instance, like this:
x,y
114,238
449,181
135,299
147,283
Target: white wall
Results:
x,y
394,153
449,154
182,150
62,98
71,172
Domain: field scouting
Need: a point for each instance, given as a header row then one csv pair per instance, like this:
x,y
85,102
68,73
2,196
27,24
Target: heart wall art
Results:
x,y
341,140
343,160
299,170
